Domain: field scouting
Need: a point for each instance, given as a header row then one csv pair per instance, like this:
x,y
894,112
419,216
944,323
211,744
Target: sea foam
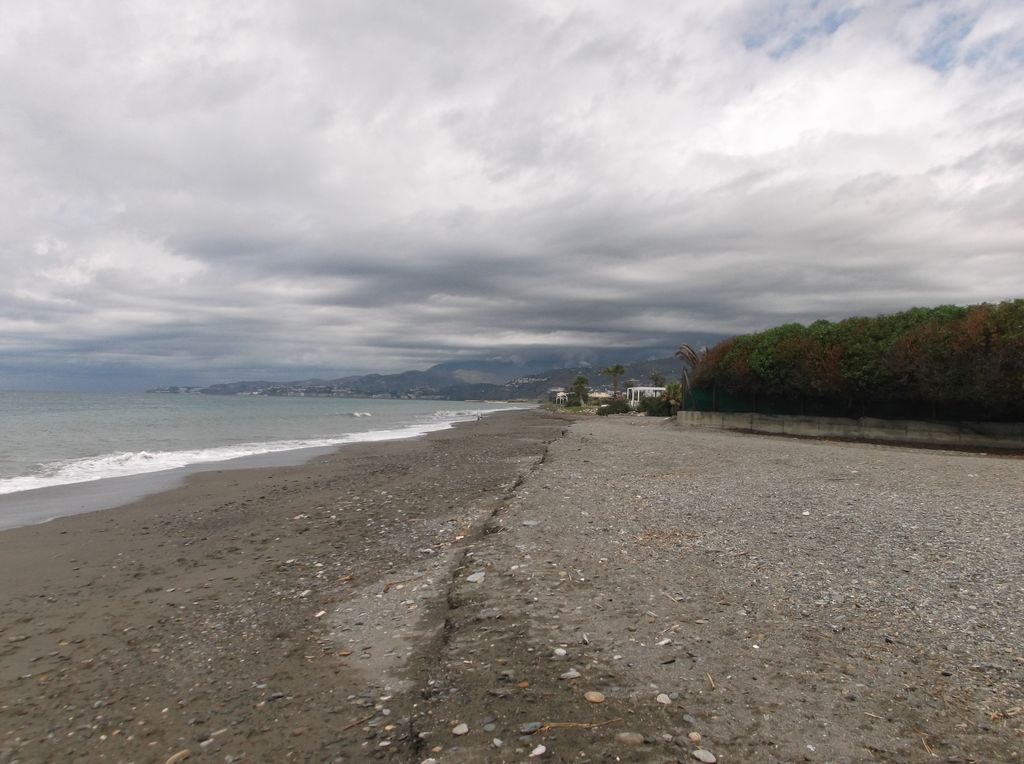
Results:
x,y
128,463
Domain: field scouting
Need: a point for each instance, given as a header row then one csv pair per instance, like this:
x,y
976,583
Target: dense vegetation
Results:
x,y
947,362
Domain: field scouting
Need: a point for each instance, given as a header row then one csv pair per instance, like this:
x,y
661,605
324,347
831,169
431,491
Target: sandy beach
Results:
x,y
575,589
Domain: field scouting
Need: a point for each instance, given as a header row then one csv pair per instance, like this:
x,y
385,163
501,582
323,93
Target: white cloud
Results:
x,y
365,185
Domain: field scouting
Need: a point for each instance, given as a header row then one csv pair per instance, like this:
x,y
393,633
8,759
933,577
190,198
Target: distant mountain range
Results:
x,y
496,379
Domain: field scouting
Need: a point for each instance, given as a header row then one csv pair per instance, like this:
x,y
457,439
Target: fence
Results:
x,y
987,435
717,399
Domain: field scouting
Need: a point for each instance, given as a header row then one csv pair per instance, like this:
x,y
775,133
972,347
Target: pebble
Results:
x,y
475,578
570,674
702,754
560,652
664,699
530,727
497,742
460,729
179,756
630,738
694,737
540,750
594,696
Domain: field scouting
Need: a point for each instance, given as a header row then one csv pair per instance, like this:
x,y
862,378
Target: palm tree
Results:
x,y
673,395
615,371
690,359
579,387
657,379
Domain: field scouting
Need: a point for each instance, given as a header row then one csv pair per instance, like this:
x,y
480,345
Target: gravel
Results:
x,y
823,601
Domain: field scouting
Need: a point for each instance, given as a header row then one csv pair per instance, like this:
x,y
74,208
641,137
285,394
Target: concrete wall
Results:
x,y
963,434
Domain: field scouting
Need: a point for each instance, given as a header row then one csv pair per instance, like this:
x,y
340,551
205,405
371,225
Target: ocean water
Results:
x,y
50,440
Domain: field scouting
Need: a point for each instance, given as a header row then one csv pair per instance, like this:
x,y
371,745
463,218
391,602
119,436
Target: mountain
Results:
x,y
527,375
451,380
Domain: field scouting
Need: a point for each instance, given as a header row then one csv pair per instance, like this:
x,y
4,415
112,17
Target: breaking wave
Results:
x,y
129,463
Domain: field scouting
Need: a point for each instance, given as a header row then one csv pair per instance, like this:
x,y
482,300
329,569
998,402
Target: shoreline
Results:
x,y
45,504
782,600
33,507
122,628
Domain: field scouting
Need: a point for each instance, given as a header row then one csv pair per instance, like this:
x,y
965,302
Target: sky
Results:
x,y
197,192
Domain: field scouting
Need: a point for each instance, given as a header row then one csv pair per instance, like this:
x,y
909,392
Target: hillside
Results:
x,y
451,380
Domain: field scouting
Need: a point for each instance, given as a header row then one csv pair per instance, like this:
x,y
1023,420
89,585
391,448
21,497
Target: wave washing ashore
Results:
x,y
76,439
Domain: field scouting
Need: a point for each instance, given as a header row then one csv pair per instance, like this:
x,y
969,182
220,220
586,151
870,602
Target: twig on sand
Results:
x,y
357,722
1007,714
711,682
874,716
924,741
577,725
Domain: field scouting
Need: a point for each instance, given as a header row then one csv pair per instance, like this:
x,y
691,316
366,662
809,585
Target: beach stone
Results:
x,y
594,696
570,674
530,727
540,750
630,738
560,652
475,578
694,737
664,699
497,742
460,729
702,754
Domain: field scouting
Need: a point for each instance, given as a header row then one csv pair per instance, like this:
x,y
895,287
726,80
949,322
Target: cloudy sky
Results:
x,y
206,191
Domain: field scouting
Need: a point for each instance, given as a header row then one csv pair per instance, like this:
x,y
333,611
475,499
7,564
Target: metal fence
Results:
x,y
717,399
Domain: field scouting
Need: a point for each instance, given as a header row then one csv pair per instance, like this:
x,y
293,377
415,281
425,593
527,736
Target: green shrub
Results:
x,y
617,406
655,407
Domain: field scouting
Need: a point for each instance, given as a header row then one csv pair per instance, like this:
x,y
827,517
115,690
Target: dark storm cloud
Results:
x,y
260,187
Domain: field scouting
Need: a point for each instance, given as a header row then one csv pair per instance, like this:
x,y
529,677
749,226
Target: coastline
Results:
x,y
44,504
789,600
126,630
39,505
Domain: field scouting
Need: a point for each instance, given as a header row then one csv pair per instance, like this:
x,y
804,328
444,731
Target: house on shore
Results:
x,y
636,394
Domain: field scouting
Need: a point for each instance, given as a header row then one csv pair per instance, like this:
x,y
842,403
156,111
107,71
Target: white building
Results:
x,y
636,394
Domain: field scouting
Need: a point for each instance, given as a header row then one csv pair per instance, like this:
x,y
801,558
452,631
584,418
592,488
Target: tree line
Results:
x,y
947,362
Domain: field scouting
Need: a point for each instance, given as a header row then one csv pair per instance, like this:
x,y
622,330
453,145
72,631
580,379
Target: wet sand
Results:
x,y
784,600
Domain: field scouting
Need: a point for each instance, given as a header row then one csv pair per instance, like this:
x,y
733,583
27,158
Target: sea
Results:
x,y
65,453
